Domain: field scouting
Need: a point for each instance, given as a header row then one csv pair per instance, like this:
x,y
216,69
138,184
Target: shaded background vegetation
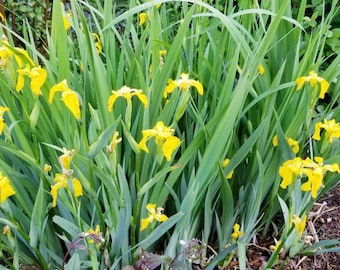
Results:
x,y
38,14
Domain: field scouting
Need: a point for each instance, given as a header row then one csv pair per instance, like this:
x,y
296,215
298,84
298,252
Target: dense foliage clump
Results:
x,y
165,134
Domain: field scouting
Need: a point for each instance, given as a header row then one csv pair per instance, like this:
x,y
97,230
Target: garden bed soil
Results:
x,y
323,224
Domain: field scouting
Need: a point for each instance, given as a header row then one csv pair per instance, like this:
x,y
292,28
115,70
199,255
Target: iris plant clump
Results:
x,y
165,134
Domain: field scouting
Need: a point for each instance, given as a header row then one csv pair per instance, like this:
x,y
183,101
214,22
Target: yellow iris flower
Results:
x,y
67,20
68,96
289,169
97,43
6,230
314,170
114,141
261,69
5,56
95,235
236,233
61,182
21,56
127,93
299,223
276,246
66,159
331,127
224,164
313,79
47,168
163,137
2,122
294,145
161,53
143,18
6,190
63,179
184,83
154,215
37,75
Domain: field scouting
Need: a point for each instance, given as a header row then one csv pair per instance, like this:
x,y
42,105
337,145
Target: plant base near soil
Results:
x,y
327,226
323,224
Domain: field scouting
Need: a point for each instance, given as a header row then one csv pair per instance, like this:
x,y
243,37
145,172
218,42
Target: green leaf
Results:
x,y
321,247
227,207
152,181
67,226
103,139
60,55
222,255
284,209
74,262
160,230
38,216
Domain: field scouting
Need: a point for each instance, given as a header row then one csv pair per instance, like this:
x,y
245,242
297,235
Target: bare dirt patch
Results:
x,y
324,224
